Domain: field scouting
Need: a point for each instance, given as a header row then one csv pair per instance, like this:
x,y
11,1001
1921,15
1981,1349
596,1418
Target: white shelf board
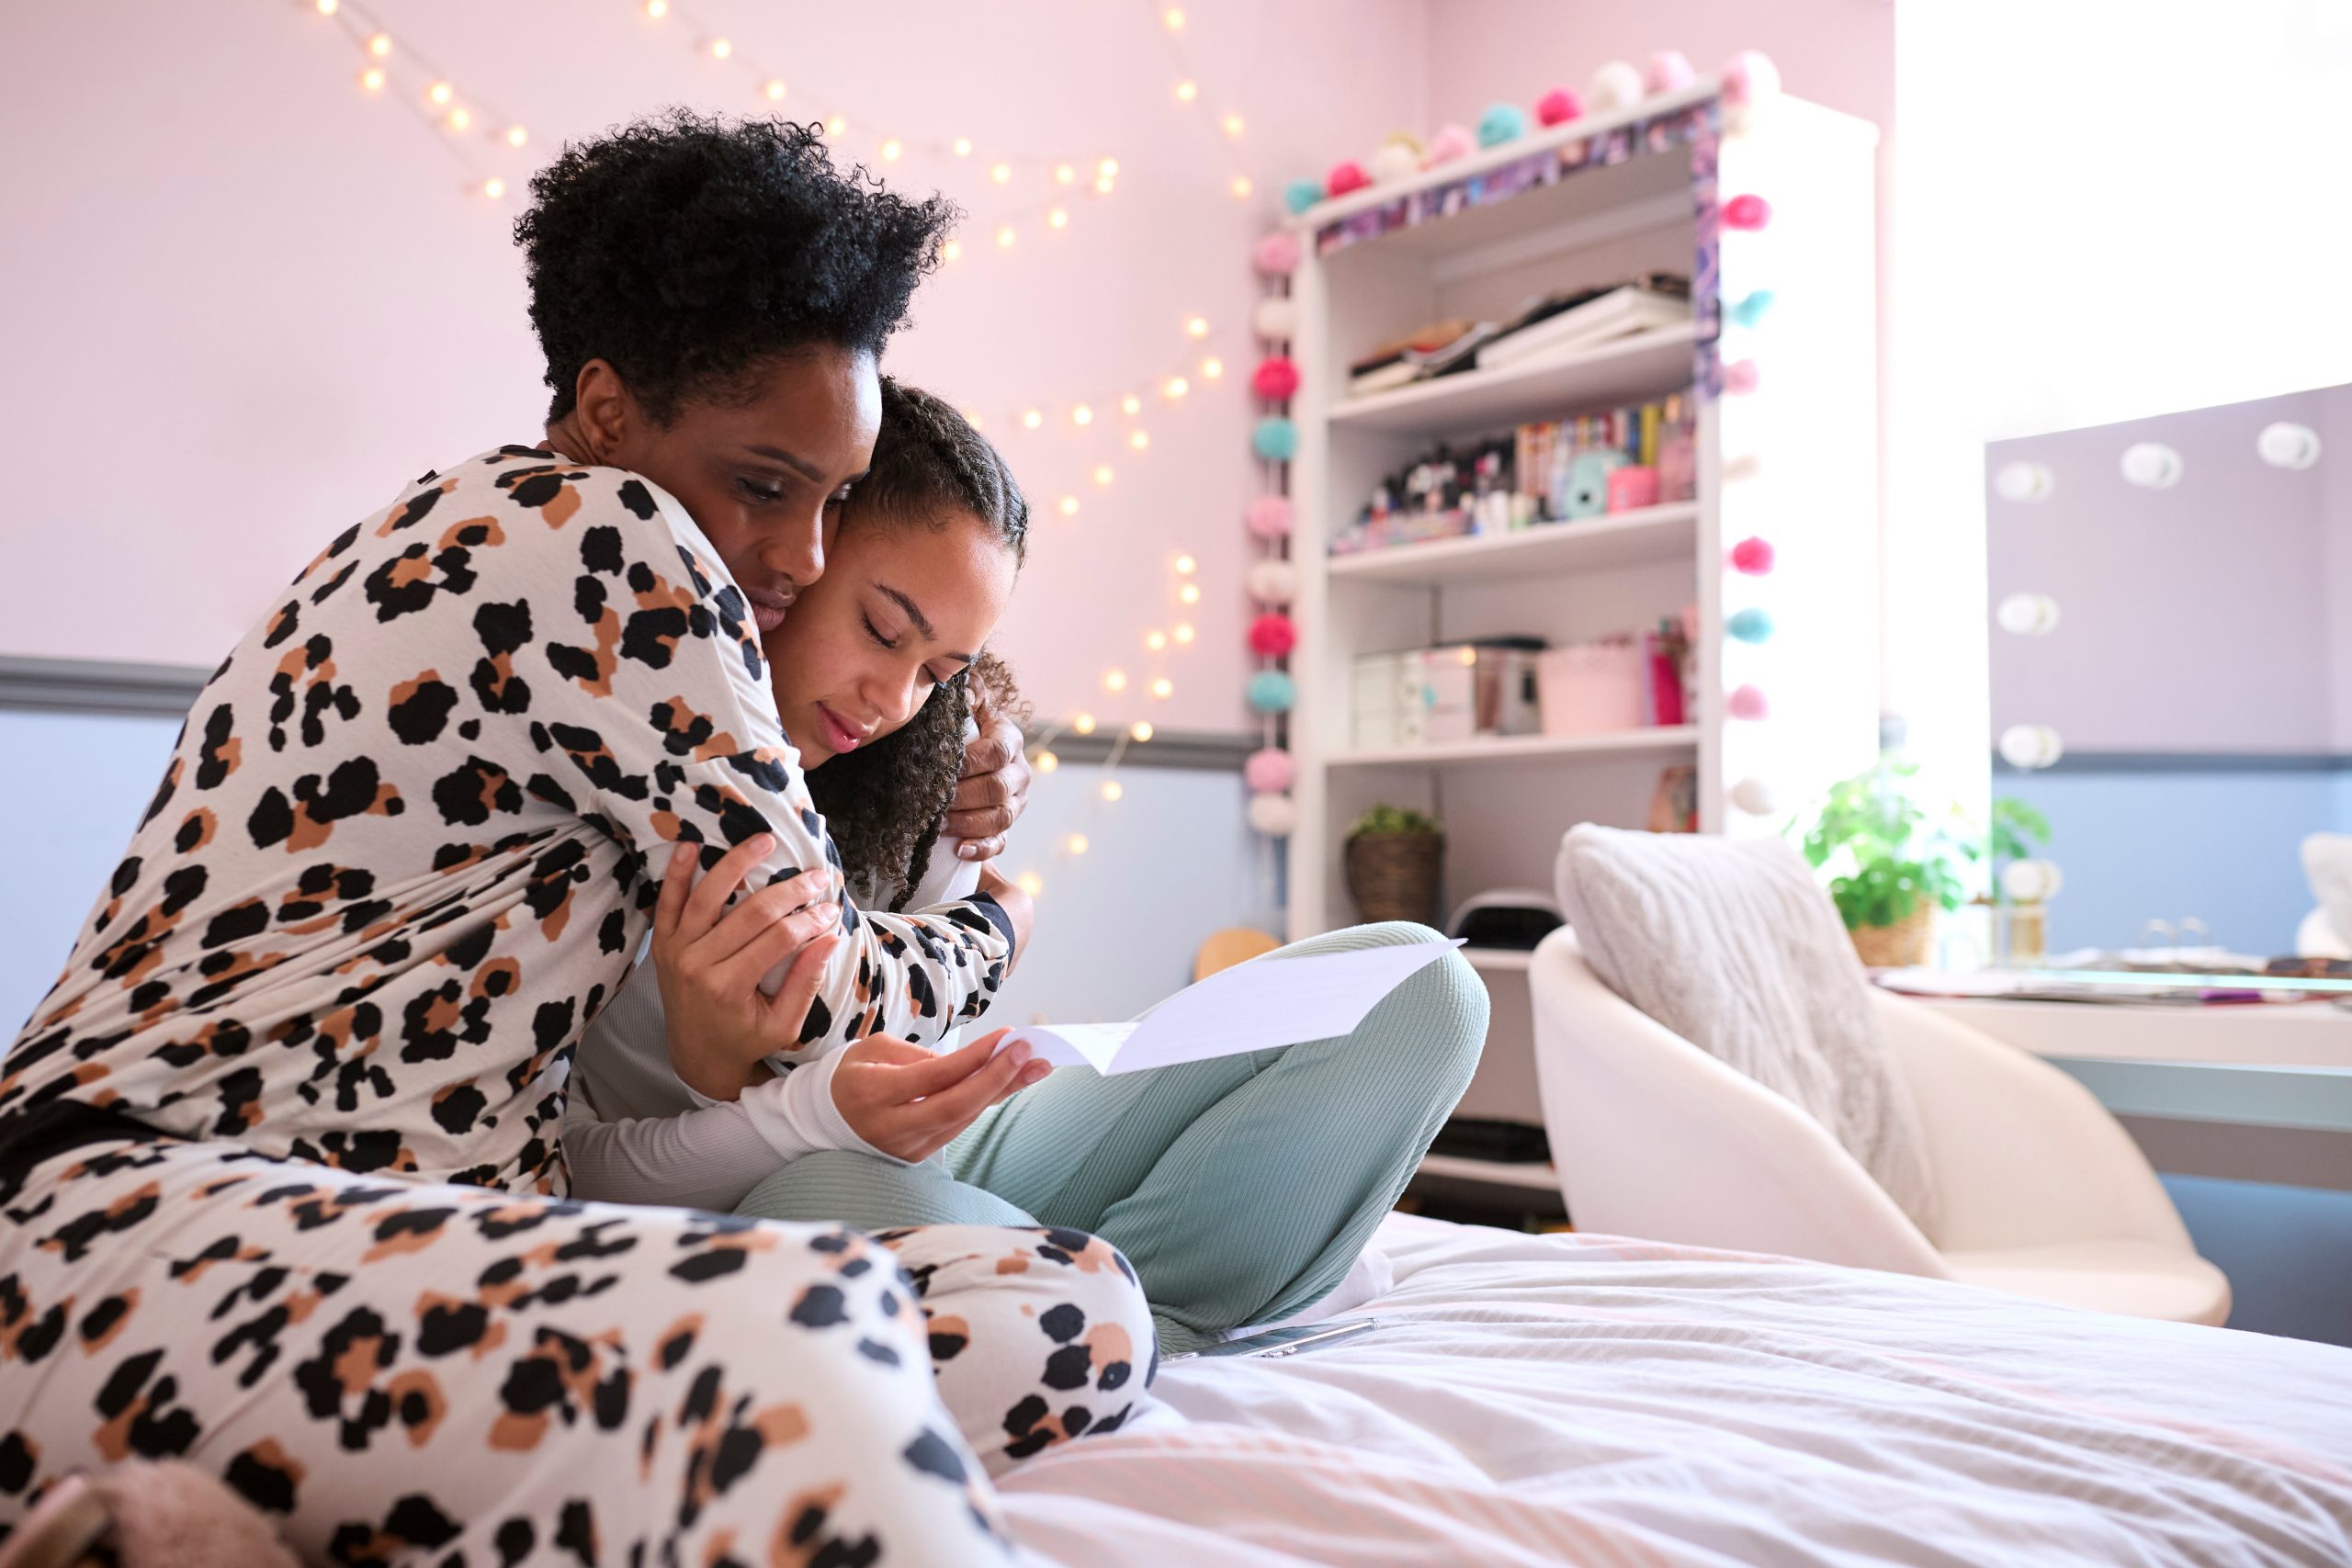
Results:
x,y
1540,1175
1501,959
1644,365
1651,534
1658,738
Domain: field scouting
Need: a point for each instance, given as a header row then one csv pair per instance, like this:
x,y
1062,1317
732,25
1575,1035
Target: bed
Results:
x,y
1539,1400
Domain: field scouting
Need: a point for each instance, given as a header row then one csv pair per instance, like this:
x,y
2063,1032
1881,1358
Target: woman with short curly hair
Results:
x,y
282,1187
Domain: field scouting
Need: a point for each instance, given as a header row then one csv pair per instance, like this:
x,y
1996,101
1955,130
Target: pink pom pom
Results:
x,y
1273,635
1346,176
1269,772
1668,70
1558,107
1742,376
1276,379
1269,516
1277,254
1748,76
1452,141
1748,212
1748,702
1752,556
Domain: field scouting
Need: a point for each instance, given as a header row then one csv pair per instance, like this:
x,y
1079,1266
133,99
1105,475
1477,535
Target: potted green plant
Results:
x,y
1395,856
1889,867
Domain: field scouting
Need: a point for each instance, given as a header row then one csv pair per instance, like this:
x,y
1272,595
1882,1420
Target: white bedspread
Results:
x,y
1598,1401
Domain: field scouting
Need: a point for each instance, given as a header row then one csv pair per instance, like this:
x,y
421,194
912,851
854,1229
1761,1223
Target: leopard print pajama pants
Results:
x,y
408,1373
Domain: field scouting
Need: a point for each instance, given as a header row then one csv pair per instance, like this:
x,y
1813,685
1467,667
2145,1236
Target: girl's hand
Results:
x,y
708,960
911,1104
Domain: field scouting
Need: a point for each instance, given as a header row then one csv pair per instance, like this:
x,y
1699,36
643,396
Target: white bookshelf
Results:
x,y
1804,446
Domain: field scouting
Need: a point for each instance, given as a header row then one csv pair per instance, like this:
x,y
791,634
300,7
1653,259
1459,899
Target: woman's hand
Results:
x,y
911,1104
708,960
992,791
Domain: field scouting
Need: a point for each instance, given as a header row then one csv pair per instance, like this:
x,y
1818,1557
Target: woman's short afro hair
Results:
x,y
688,250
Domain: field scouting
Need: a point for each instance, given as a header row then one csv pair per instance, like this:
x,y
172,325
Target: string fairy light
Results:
x,y
1113,789
1083,722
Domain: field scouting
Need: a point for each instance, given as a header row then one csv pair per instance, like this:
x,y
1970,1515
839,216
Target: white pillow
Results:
x,y
1732,945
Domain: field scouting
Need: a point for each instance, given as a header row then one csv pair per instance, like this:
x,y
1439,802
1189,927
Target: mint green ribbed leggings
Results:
x,y
1241,1189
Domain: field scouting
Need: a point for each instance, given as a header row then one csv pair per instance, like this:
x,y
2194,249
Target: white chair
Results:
x,y
2041,1192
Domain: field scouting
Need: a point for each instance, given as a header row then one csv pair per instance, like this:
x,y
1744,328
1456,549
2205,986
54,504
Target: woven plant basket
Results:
x,y
1899,945
1393,876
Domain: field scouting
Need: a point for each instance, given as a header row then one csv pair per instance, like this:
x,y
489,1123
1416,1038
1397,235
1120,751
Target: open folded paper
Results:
x,y
1257,1006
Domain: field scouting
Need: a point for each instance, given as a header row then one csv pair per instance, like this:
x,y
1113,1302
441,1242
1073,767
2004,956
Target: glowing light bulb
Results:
x,y
1184,632
720,49
1078,844
1113,789
1083,722
1082,415
892,151
1065,175
1029,882
328,8
1107,169
440,92
1031,419
837,126
1069,506
1197,326
1173,19
1232,124
1004,238
1131,404
380,45
657,9
1177,387
459,119
372,78
1241,188
952,250
775,92
1057,218
1141,729
493,188
963,148
1155,640
1114,680
1104,186
1139,439
1186,566
971,417
1189,595
1187,91
1047,762
517,136
1101,473
1001,173
1163,688
1212,368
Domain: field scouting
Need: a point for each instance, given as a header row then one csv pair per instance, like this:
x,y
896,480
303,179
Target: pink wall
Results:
x,y
242,302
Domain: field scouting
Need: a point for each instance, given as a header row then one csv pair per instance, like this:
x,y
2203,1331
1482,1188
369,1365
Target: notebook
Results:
x,y
1262,1004
1618,313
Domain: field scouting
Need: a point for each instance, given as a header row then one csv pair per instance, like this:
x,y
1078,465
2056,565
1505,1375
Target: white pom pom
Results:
x,y
1275,318
1272,582
2026,746
1273,815
2030,881
1393,162
2028,615
2284,445
1615,85
2024,481
1754,796
2151,465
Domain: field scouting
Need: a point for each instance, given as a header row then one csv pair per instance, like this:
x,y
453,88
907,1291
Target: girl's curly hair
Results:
x,y
884,802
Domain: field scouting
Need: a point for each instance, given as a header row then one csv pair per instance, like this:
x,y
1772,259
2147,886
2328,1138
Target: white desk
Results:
x,y
2247,1035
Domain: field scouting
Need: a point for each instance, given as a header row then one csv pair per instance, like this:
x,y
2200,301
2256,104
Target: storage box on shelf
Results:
x,y
1793,461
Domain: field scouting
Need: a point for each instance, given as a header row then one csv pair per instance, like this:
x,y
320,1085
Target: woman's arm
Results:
x,y
710,1157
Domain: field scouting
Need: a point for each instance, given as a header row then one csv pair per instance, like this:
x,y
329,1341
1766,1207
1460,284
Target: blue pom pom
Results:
x,y
1753,309
1504,122
1271,692
1275,439
1301,194
1750,625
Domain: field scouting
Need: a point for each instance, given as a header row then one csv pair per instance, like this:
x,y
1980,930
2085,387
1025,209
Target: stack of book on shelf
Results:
x,y
1548,326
